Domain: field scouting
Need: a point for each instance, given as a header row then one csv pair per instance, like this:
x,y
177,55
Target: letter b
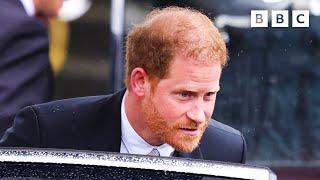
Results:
x,y
259,18
280,18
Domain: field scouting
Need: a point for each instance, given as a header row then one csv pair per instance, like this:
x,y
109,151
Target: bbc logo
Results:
x,y
279,18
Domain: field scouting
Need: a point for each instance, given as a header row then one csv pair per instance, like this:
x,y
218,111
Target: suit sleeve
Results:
x,y
24,132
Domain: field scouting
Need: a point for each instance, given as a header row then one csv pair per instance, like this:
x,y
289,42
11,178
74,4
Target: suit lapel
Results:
x,y
111,137
195,154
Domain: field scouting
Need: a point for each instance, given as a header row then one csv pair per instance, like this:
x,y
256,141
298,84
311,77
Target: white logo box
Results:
x,y
279,18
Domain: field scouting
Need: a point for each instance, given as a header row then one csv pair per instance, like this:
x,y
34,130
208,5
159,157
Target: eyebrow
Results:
x,y
190,90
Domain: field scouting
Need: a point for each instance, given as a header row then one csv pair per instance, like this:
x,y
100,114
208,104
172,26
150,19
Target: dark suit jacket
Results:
x,y
94,123
25,72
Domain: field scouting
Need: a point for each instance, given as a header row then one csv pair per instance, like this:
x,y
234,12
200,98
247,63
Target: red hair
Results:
x,y
166,32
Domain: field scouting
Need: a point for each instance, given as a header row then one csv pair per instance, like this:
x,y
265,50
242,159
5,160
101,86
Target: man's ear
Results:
x,y
139,81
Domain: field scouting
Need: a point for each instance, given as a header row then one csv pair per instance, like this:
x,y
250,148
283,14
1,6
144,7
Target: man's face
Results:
x,y
178,110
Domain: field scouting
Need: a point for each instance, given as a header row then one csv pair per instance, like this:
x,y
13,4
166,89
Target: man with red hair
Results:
x,y
174,60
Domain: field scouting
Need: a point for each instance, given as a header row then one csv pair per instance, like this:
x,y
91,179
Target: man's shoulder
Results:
x,y
223,143
218,133
81,122
218,127
73,103
87,104
63,114
13,9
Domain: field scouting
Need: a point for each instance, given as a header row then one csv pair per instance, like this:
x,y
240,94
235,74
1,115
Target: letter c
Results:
x,y
301,22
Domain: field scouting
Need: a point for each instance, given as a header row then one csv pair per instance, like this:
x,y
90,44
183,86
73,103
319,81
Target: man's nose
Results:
x,y
197,114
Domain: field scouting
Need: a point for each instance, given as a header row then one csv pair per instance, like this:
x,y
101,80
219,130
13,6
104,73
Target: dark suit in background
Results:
x,y
94,123
25,72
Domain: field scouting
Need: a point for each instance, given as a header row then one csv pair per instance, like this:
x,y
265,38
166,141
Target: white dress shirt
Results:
x,y
132,143
29,7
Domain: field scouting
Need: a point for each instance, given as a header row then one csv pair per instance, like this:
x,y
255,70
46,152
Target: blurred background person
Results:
x,y
26,76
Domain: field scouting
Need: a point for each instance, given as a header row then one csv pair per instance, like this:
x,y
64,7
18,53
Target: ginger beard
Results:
x,y
169,132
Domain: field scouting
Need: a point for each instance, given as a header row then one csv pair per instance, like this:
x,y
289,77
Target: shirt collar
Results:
x,y
29,7
132,140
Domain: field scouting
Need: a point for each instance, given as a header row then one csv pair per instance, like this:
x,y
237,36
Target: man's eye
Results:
x,y
210,95
185,94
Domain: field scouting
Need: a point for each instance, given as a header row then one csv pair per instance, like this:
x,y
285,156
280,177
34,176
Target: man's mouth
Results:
x,y
190,131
